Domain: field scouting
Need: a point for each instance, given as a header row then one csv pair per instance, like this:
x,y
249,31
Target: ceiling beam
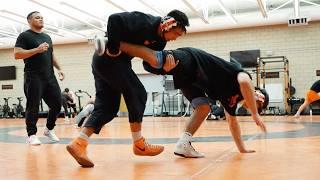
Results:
x,y
14,28
116,5
226,11
205,10
8,32
83,11
67,15
8,36
296,4
263,8
193,9
48,25
308,2
282,5
151,7
18,21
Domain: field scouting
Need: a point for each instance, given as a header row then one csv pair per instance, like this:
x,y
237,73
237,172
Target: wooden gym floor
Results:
x,y
290,150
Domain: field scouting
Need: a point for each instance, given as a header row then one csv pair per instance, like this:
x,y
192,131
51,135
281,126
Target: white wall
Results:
x,y
301,45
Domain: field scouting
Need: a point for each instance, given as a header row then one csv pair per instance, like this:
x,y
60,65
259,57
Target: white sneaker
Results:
x,y
100,45
51,135
33,140
186,150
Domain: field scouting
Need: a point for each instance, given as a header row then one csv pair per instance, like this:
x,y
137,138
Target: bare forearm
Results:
x,y
20,53
247,92
57,66
142,52
55,63
235,131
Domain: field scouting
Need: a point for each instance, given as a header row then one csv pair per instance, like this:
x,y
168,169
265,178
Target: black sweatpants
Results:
x,y
113,78
36,87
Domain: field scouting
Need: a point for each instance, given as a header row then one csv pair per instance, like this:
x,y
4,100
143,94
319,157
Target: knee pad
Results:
x,y
199,101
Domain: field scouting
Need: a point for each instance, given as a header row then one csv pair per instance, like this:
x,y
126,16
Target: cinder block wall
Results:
x,y
301,45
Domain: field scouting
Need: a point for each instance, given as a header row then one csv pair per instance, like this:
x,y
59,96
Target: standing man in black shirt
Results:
x,y
312,95
200,75
35,48
114,76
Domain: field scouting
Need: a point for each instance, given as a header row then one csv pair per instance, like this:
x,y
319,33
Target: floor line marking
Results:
x,y
220,158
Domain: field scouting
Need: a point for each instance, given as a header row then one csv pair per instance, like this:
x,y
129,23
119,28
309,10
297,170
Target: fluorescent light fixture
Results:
x,y
226,11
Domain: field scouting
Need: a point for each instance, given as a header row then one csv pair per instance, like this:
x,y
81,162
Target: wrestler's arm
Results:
x,y
236,133
247,92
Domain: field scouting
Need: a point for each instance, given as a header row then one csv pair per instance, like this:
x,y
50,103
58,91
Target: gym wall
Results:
x,y
301,45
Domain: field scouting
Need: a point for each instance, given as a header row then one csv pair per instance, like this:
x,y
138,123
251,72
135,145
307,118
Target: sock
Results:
x,y
185,137
84,136
136,135
159,59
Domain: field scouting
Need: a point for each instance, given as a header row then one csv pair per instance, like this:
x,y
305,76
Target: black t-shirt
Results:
x,y
40,63
136,28
215,76
218,78
316,86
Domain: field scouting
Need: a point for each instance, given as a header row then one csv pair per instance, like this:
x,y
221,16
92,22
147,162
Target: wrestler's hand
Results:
x,y
43,47
61,75
170,63
259,123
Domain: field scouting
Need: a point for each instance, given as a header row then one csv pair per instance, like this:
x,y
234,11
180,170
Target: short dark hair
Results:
x,y
30,14
180,17
66,90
